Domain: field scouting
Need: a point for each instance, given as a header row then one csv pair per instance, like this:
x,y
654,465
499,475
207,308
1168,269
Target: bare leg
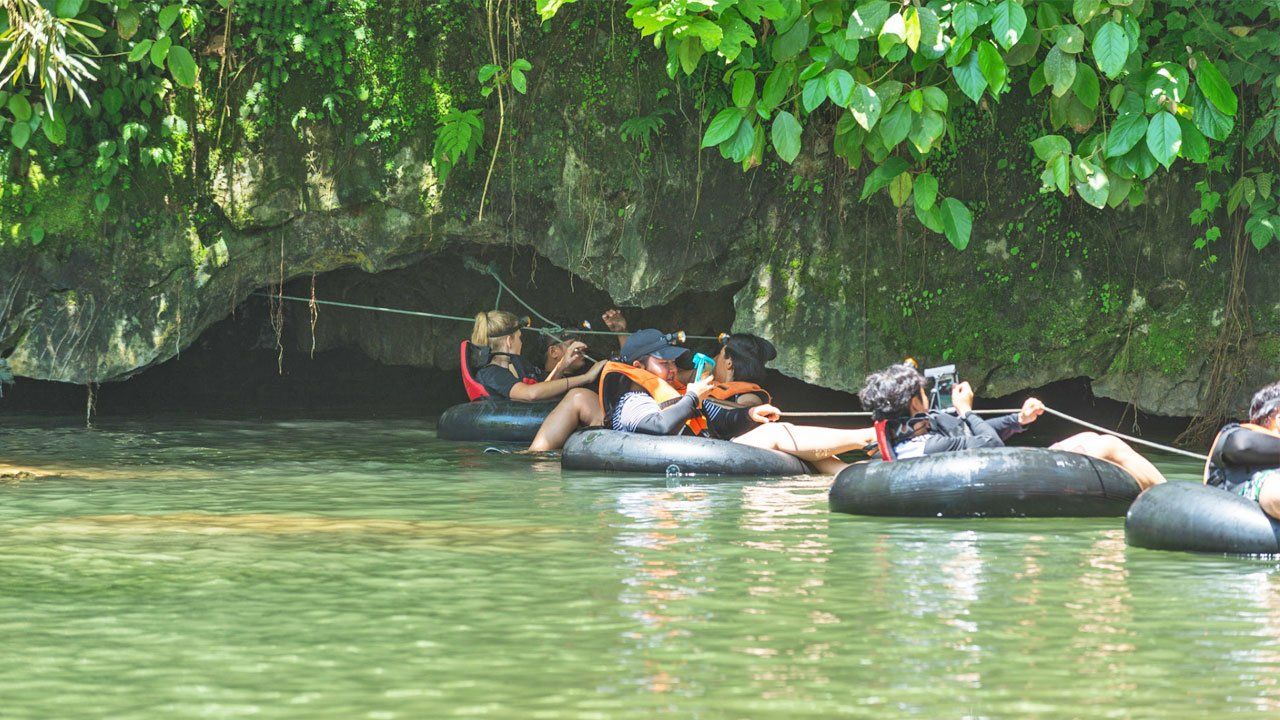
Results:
x,y
578,408
1113,450
1269,498
815,445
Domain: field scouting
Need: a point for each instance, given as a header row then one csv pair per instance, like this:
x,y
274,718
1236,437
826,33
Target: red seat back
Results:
x,y
475,390
882,440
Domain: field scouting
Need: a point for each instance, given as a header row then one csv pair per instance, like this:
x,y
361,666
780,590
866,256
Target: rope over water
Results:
x,y
1051,411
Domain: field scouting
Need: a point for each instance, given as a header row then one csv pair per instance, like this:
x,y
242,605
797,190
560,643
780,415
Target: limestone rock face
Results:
x,y
1048,289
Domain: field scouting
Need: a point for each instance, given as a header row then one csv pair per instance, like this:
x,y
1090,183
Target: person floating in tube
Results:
x,y
641,394
505,374
897,395
1245,458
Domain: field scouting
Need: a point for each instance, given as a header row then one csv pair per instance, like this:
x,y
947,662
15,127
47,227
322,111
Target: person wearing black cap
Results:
x,y
632,406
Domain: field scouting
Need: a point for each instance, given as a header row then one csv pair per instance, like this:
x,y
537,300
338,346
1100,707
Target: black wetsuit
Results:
x,y
1238,456
948,433
499,380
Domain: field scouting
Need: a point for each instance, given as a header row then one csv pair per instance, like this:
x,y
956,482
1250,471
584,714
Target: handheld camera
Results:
x,y
941,380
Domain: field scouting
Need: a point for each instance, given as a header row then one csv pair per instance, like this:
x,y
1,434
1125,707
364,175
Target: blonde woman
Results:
x,y
505,374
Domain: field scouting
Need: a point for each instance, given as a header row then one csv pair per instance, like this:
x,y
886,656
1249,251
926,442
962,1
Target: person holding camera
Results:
x,y
897,395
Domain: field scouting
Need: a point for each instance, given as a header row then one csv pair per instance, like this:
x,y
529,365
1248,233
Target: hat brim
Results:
x,y
670,352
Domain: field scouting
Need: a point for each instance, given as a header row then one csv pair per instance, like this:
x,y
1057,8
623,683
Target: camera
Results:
x,y
941,380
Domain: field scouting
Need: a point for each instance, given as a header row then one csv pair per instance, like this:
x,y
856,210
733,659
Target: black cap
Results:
x,y
649,342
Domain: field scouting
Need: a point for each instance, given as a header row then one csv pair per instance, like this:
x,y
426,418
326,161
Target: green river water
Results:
x,y
363,569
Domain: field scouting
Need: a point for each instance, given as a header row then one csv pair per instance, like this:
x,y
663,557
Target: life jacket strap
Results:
x,y
882,441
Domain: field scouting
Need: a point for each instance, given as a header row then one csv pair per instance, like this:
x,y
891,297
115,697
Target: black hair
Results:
x,y
1265,404
888,393
749,354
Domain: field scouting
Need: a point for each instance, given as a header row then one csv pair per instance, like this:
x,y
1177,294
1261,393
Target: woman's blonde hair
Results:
x,y
492,326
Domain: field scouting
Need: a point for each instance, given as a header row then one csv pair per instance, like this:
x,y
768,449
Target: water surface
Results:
x,y
363,569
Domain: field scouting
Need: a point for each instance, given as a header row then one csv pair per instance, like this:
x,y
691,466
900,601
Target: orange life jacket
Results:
x,y
729,392
659,389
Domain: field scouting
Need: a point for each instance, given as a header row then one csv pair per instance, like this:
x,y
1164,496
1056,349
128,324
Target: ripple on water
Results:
x,y
339,568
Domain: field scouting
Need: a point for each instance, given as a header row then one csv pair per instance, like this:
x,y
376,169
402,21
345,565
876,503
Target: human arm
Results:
x,y
1243,447
548,389
614,320
641,414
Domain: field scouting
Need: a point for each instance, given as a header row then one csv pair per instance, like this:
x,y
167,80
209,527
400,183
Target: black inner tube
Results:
x,y
992,482
609,450
1197,518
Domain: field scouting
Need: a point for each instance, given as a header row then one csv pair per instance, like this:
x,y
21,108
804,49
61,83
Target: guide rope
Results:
x,y
1051,411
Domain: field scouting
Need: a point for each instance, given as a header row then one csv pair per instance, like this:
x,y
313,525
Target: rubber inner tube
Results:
x,y
492,420
1198,518
613,451
992,482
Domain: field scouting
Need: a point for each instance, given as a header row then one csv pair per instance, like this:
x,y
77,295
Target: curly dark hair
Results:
x,y
749,354
1265,404
888,393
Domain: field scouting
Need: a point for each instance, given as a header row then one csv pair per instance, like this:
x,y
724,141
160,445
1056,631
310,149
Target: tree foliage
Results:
x,y
1128,87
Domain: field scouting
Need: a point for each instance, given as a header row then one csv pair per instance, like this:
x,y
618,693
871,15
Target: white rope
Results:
x,y
1051,411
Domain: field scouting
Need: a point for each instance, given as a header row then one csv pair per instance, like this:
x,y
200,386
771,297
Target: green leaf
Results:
x,y
967,17
932,43
1262,230
900,189
689,53
1094,188
37,235
813,94
168,16
488,70
20,133
127,22
840,86
926,191
1086,86
160,51
723,126
1164,138
1057,174
844,47
957,222
894,30
896,125
1008,21
518,79
1048,147
935,99
786,136
140,50
1084,10
970,78
739,147
20,107
736,34
101,200
1194,147
55,130
992,67
882,176
1166,84
790,43
1125,133
930,217
1110,49
1214,123
926,128
183,68
1070,39
777,85
867,20
744,88
112,100
865,106
1059,71
911,28
68,8
1215,87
